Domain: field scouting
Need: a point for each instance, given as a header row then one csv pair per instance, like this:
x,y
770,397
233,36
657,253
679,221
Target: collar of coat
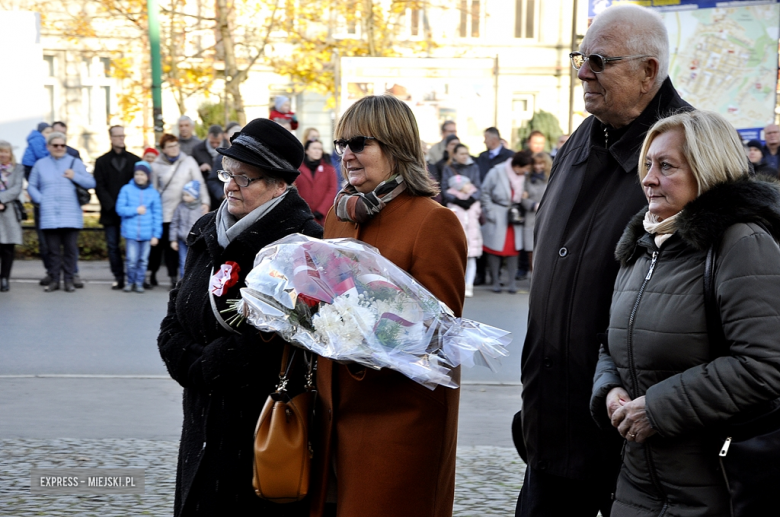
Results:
x,y
626,149
703,221
291,215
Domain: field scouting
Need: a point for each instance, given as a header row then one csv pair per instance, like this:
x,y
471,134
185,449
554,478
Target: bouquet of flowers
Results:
x,y
342,300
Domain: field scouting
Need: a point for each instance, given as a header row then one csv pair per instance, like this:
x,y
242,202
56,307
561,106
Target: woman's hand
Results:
x,y
175,245
154,241
204,208
525,194
2,207
616,398
632,422
141,209
69,174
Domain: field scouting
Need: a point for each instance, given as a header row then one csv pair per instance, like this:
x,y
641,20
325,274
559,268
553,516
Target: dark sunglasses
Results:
x,y
596,62
356,144
56,146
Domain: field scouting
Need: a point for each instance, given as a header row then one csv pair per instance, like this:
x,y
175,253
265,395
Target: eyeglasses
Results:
x,y
356,144
240,179
57,146
595,61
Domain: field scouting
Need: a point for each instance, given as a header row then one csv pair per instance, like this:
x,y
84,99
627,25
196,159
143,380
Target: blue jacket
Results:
x,y
134,225
36,148
56,194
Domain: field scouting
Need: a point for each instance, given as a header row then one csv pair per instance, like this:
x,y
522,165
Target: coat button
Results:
x,y
563,252
547,362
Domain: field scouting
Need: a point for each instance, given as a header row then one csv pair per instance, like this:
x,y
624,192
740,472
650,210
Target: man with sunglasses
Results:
x,y
592,194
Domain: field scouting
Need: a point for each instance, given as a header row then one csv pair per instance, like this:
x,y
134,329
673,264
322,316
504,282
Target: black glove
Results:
x,y
318,215
464,203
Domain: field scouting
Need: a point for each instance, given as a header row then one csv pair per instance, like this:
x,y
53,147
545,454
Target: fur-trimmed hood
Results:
x,y
703,221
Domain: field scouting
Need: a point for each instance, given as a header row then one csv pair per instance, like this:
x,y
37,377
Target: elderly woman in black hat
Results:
x,y
227,374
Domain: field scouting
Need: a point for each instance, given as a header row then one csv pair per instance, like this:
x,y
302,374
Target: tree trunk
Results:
x,y
232,76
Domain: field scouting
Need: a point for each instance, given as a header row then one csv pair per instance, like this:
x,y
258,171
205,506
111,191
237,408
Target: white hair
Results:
x,y
228,162
185,118
642,32
54,135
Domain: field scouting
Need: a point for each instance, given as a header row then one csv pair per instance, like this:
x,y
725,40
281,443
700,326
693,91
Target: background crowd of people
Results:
x,y
166,188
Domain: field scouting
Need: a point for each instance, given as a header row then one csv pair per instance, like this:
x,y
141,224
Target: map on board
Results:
x,y
725,60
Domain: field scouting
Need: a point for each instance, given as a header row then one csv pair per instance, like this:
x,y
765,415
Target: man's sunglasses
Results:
x,y
240,179
356,144
595,61
57,146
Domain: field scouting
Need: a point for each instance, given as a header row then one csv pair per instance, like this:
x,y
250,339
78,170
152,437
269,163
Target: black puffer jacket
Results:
x,y
226,377
659,346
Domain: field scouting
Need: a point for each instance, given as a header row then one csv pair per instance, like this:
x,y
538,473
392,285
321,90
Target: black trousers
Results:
x,y
544,495
43,246
63,252
6,260
163,249
113,233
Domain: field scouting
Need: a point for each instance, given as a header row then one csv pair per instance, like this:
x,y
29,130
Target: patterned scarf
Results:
x,y
5,173
357,207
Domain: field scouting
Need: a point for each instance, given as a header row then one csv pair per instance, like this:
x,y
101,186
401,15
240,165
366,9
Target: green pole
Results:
x,y
154,47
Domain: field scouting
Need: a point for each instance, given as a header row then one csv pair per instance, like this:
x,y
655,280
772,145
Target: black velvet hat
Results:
x,y
269,146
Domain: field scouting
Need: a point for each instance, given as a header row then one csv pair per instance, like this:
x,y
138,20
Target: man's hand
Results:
x,y
155,241
205,167
632,422
141,210
175,245
204,209
69,173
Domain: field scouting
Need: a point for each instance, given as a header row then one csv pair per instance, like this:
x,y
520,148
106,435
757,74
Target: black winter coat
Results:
x,y
109,181
485,162
592,194
659,346
226,377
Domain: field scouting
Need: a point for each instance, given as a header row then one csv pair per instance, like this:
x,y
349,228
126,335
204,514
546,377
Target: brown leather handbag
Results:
x,y
282,447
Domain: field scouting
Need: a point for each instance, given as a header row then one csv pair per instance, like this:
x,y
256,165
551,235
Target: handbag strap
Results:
x,y
173,173
711,312
288,357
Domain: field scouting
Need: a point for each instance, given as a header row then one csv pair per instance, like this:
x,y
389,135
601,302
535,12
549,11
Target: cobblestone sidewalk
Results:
x,y
488,478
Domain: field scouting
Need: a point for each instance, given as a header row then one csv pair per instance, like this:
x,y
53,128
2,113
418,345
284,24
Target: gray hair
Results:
x,y
642,31
185,118
54,135
230,162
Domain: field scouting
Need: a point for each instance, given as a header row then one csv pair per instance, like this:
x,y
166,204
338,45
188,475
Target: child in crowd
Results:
x,y
461,187
184,218
282,114
150,154
140,207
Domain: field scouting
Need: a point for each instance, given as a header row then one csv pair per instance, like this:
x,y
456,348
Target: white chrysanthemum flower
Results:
x,y
347,321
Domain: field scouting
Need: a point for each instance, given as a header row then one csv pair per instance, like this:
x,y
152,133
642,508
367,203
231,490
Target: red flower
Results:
x,y
225,278
308,300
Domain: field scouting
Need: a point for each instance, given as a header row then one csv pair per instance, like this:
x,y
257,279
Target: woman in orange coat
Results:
x,y
317,182
386,443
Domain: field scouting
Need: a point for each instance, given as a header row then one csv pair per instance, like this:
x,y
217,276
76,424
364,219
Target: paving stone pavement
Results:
x,y
487,480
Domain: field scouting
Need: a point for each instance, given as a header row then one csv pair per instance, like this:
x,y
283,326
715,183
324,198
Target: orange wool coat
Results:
x,y
393,441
